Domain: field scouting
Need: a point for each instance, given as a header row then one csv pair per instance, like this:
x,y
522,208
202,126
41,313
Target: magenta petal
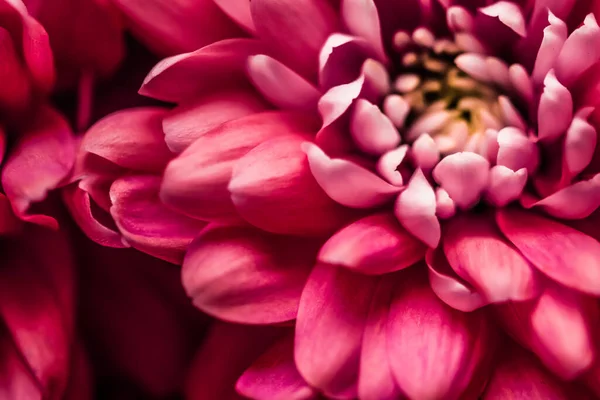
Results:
x,y
308,22
448,286
185,76
341,59
555,111
329,329
346,182
563,253
132,139
244,275
146,223
239,11
280,85
376,381
40,161
362,19
505,185
576,201
478,253
433,349
387,165
16,381
516,150
415,208
272,188
376,244
372,131
464,176
273,376
509,14
186,123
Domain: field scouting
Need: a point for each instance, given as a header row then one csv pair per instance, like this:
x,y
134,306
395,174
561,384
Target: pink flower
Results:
x,y
400,178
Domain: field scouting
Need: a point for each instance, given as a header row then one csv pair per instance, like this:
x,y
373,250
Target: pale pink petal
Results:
x,y
272,187
459,19
479,254
579,52
195,183
239,11
308,22
273,376
464,176
376,381
505,185
563,253
425,152
329,328
516,150
146,223
280,85
474,65
580,144
244,275
346,182
186,123
448,286
362,19
434,350
40,160
576,201
511,115
444,206
509,14
388,164
371,130
555,111
211,68
415,208
555,35
132,139
172,27
341,59
337,100
376,244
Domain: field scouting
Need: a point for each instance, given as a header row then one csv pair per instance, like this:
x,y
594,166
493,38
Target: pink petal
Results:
x,y
555,111
273,376
580,144
16,381
376,381
425,152
197,22
329,329
516,150
280,85
42,157
272,188
479,254
362,19
341,59
505,185
576,201
564,254
239,11
309,22
448,286
433,349
555,35
346,182
146,223
132,139
16,92
509,14
371,130
415,208
387,165
184,124
578,52
246,276
464,176
195,183
376,244
337,100
211,68
444,205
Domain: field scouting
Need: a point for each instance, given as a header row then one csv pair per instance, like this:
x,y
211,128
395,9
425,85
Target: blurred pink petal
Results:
x,y
361,19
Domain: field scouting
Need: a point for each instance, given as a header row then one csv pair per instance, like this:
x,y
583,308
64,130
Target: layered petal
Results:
x,y
464,176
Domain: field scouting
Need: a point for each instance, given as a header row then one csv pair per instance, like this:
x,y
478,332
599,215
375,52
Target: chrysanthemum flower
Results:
x,y
402,179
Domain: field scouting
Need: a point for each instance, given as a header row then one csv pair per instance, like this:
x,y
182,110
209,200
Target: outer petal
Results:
x,y
274,376
246,276
479,254
145,223
239,11
272,188
195,183
16,381
308,22
563,253
42,158
171,27
329,329
433,350
362,19
576,201
376,244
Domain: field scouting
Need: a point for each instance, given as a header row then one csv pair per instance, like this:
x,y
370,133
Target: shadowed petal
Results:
x,y
464,176
555,35
239,11
516,150
509,14
505,185
372,131
362,19
576,201
555,111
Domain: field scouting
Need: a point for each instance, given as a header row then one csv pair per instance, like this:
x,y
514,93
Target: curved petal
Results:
x,y
329,328
373,245
580,144
509,14
576,201
362,19
464,176
341,59
16,381
239,11
246,276
555,111
516,150
132,139
563,253
555,35
505,185
146,223
372,130
337,100
272,188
